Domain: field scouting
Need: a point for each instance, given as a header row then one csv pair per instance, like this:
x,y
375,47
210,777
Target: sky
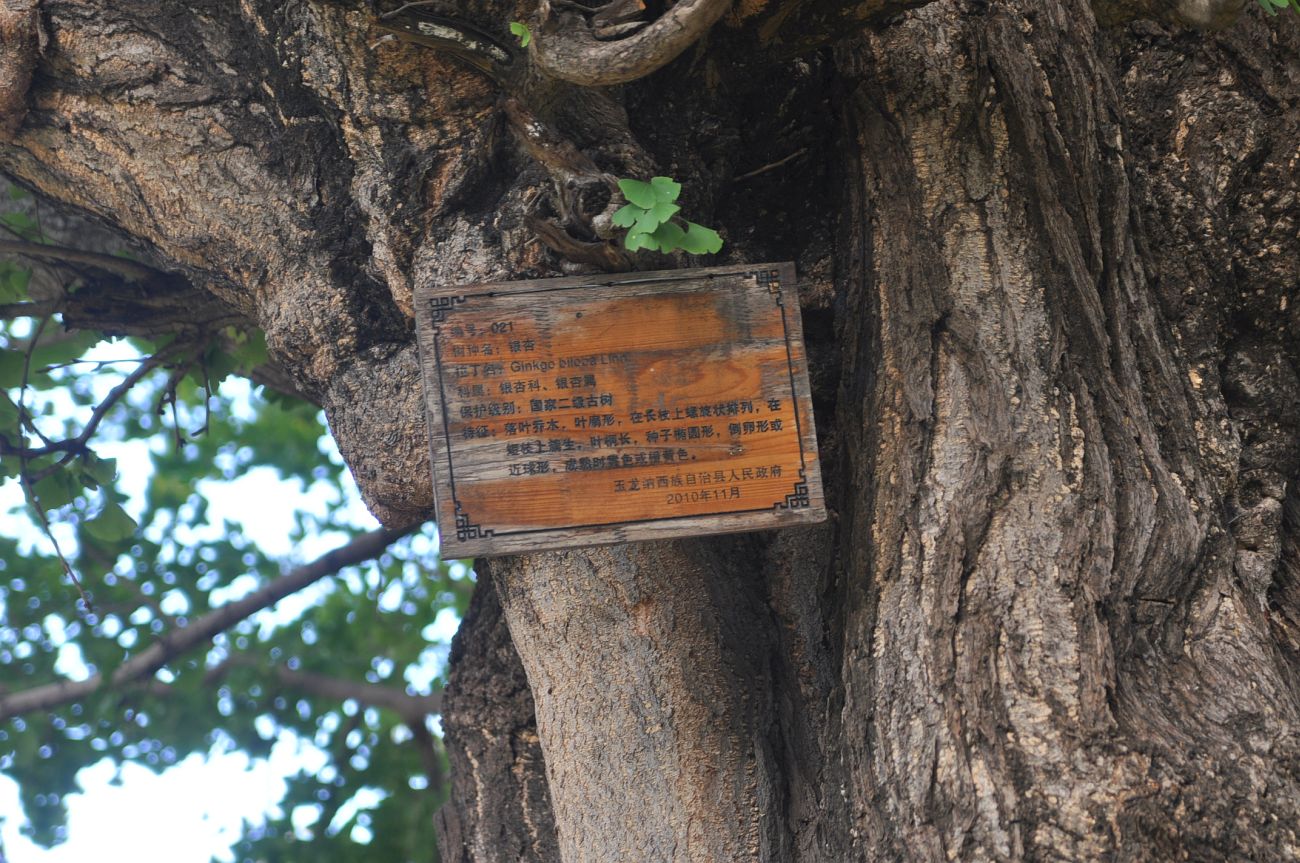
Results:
x,y
194,811
190,813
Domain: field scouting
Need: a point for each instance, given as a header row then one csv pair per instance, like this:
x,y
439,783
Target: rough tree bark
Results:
x,y
1049,287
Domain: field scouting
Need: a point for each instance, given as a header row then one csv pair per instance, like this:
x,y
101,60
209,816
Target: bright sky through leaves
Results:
x,y
197,808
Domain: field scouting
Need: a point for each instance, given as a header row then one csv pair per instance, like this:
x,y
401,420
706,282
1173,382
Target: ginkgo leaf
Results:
x,y
647,223
112,524
8,413
521,31
627,215
669,236
700,240
102,470
639,193
666,189
11,368
635,241
664,211
13,282
58,489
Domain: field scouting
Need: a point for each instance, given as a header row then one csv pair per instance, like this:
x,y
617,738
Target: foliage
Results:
x,y
650,217
1271,6
129,509
520,30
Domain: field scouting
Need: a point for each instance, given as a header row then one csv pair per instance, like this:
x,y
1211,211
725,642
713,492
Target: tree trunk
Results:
x,y
1049,277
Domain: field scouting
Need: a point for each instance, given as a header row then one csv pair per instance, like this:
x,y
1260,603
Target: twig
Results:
x,y
400,9
99,364
29,483
28,486
74,446
186,638
771,167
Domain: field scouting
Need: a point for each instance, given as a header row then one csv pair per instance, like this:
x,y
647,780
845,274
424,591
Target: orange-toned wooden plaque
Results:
x,y
599,409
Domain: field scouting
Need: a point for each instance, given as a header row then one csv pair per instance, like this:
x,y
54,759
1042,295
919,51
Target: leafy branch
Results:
x,y
651,219
186,638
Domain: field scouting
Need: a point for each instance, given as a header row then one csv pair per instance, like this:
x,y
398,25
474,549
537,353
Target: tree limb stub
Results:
x,y
606,255
189,637
580,235
567,49
455,38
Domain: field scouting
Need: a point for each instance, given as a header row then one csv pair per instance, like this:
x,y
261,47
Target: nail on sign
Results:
x,y
609,408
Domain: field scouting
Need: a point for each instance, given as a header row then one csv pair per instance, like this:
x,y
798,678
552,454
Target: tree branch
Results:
x,y
567,49
41,309
64,255
412,708
186,638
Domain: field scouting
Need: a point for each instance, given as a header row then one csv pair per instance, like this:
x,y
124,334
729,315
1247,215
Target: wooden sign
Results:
x,y
608,408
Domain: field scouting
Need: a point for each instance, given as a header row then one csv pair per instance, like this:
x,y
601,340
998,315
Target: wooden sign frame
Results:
x,y
687,411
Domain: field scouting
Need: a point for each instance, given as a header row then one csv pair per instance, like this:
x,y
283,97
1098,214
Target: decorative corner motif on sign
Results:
x,y
797,499
466,529
439,306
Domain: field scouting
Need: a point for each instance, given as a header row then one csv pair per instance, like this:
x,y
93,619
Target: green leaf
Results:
x,y
663,212
627,215
8,413
112,524
669,236
251,352
11,368
700,240
101,470
217,365
520,29
647,223
635,241
65,349
221,366
639,193
58,489
666,189
22,224
13,282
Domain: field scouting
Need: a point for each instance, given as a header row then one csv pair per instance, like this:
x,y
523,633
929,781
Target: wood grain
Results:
x,y
592,410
